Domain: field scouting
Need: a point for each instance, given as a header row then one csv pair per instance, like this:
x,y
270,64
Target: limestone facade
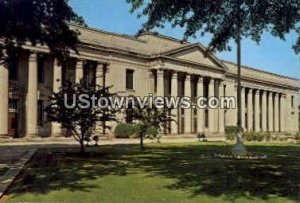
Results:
x,y
156,64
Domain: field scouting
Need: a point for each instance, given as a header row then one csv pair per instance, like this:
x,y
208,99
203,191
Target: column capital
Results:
x,y
270,94
160,72
33,56
257,92
250,91
243,89
174,75
79,63
187,77
211,81
200,78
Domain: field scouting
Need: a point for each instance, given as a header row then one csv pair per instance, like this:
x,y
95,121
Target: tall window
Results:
x,y
41,69
89,72
40,112
129,79
292,101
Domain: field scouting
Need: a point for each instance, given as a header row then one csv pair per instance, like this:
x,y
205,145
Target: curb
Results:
x,y
7,179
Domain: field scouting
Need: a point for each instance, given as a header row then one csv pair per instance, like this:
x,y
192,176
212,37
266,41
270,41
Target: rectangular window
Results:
x,y
41,69
40,112
292,101
89,72
129,79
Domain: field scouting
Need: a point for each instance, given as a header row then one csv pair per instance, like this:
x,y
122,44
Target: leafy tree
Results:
x,y
224,20
150,117
42,22
81,119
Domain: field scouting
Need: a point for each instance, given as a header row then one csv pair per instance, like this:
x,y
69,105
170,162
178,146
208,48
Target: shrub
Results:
x,y
260,137
254,136
268,136
124,130
231,132
297,136
152,132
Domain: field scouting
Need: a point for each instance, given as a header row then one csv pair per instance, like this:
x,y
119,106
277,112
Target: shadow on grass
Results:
x,y
192,168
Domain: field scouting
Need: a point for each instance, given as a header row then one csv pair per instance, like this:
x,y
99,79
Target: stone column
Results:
x,y
211,93
257,111
276,112
282,113
56,84
250,110
78,71
174,112
243,107
231,114
160,83
187,112
221,110
200,112
264,111
32,96
4,101
270,111
100,74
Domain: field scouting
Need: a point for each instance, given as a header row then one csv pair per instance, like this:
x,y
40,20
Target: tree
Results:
x,y
42,22
76,107
224,20
150,117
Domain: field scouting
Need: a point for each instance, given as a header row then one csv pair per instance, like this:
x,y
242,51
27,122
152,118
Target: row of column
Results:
x,y
266,108
31,96
215,116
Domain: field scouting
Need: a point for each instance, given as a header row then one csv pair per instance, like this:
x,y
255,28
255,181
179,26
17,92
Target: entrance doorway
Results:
x,y
13,124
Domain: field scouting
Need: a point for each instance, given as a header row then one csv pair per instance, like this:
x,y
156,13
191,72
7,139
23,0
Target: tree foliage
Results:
x,y
220,18
81,119
42,22
150,117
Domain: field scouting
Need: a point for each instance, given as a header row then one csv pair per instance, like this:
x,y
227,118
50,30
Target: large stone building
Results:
x,y
150,63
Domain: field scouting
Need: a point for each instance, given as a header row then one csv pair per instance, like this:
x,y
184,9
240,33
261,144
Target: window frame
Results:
x,y
131,85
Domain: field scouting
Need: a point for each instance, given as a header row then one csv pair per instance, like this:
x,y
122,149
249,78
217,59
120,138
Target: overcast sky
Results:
x,y
271,54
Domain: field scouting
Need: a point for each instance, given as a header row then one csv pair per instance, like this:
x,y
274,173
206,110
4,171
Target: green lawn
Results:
x,y
168,173
3,170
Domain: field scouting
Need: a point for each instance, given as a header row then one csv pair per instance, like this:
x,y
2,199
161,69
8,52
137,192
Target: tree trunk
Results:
x,y
82,150
142,141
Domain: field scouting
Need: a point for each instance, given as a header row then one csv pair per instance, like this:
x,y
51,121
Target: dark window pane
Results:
x,y
41,69
129,79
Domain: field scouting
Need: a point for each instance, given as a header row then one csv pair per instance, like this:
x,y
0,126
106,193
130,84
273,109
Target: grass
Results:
x,y
3,170
163,173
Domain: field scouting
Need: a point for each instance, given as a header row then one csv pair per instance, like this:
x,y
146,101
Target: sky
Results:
x,y
271,54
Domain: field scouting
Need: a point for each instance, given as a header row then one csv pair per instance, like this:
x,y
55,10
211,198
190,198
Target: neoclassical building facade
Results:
x,y
149,63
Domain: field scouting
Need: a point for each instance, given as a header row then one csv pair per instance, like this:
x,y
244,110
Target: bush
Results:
x,y
255,136
268,136
124,130
297,136
231,132
152,132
